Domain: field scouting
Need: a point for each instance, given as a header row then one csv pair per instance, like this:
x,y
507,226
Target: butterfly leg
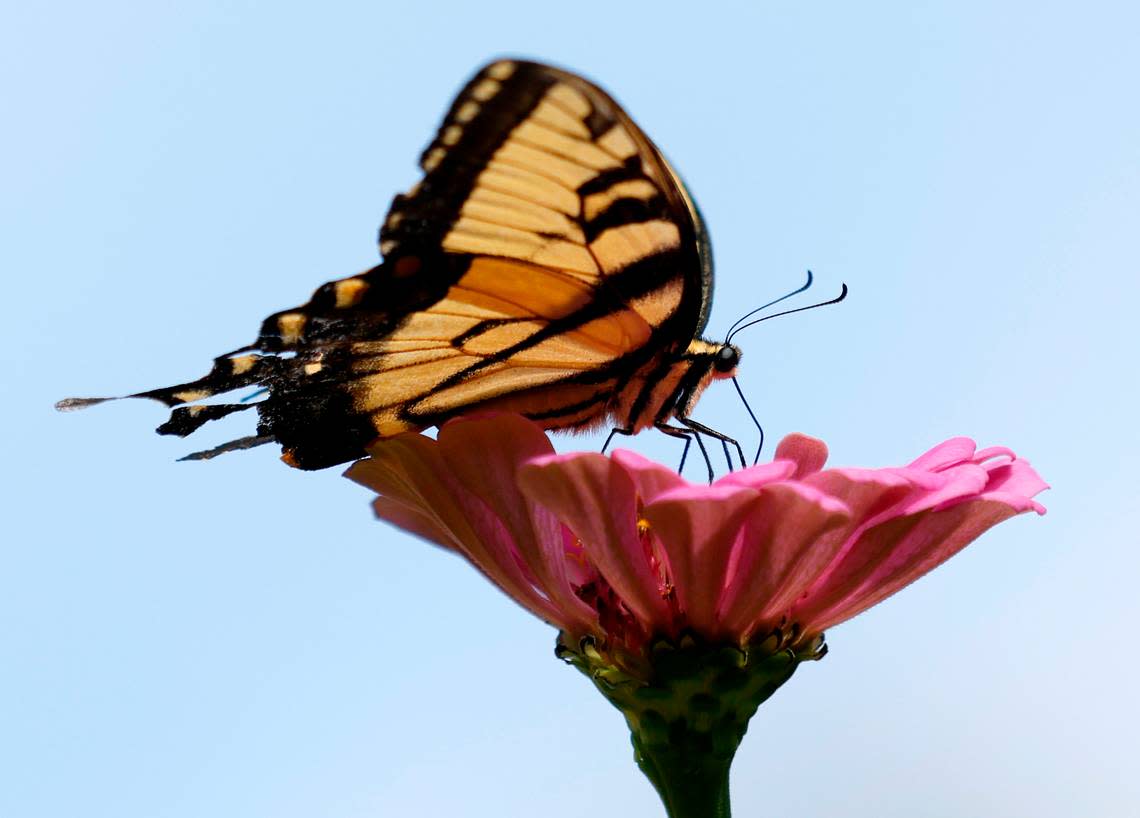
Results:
x,y
723,438
615,431
688,435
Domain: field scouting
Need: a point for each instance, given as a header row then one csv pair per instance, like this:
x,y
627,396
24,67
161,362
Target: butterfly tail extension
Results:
x,y
228,373
231,371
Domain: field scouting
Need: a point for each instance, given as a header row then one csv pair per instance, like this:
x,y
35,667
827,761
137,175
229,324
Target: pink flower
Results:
x,y
623,550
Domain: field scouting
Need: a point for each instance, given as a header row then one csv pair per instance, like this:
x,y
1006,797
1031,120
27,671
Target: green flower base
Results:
x,y
687,704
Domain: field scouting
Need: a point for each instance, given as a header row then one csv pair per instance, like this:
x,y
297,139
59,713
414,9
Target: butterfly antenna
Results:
x,y
835,300
752,415
748,315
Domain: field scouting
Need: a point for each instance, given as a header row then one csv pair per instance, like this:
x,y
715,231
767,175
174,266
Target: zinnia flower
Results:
x,y
688,605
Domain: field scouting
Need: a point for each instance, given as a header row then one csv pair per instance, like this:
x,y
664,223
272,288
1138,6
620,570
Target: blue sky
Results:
x,y
241,639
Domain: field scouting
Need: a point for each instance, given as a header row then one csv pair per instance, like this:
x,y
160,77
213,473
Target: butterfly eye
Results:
x,y
727,359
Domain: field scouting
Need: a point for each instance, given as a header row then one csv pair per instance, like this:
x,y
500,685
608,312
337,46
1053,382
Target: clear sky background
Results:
x,y
240,640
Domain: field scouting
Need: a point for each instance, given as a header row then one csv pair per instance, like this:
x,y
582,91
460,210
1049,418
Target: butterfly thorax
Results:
x,y
671,386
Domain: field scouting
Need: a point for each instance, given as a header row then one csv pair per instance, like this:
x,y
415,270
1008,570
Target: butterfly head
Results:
x,y
725,361
711,360
704,362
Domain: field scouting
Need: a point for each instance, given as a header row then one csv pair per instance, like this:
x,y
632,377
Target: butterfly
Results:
x,y
550,262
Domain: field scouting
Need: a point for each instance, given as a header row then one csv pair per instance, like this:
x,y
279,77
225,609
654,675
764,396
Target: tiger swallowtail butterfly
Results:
x,y
550,262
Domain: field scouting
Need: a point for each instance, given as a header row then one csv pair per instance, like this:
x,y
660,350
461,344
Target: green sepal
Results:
x,y
688,703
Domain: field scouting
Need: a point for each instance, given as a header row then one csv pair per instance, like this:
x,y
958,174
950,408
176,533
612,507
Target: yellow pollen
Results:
x,y
642,527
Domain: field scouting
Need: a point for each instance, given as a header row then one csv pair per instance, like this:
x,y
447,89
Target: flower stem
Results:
x,y
687,704
691,780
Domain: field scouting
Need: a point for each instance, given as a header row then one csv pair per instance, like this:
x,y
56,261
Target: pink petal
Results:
x,y
994,452
698,527
410,471
877,496
783,545
894,554
650,478
867,494
1017,478
754,477
485,455
865,491
783,542
808,453
597,498
954,483
413,521
953,451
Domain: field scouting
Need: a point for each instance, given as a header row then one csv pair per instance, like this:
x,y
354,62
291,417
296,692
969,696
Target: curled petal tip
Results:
x,y
948,453
808,453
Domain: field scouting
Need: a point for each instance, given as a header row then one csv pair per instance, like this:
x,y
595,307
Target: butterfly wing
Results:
x,y
536,163
547,254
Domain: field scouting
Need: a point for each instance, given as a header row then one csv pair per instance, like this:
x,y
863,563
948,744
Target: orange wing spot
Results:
x,y
242,364
485,90
349,292
388,425
519,289
501,70
408,266
451,135
621,332
434,157
467,111
290,326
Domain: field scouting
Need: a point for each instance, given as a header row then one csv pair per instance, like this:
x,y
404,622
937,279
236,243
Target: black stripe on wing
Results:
x,y
417,222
